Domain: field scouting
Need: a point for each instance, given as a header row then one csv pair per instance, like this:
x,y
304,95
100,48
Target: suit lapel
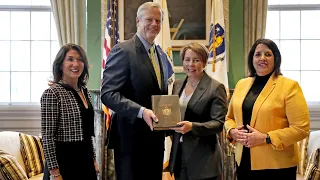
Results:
x,y
242,95
141,51
177,90
198,92
268,88
179,86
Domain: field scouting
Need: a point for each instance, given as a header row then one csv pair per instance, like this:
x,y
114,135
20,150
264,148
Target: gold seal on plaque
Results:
x,y
166,111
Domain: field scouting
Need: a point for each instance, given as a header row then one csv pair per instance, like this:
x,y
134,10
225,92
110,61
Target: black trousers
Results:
x,y
273,174
183,175
147,166
180,170
143,160
244,171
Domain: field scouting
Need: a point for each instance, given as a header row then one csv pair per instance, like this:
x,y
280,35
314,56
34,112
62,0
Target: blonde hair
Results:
x,y
148,5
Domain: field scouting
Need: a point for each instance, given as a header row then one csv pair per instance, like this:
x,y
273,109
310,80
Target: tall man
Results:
x,y
135,70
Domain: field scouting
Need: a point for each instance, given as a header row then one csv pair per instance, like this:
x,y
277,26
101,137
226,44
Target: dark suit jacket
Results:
x,y
206,110
129,81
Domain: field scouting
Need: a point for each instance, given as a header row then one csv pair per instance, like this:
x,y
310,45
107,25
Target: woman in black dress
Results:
x,y
67,118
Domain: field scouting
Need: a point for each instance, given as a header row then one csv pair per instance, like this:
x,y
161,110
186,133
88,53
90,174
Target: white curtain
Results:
x,y
255,20
70,19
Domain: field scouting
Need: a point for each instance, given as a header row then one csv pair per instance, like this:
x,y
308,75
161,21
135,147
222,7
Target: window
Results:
x,y
294,25
28,45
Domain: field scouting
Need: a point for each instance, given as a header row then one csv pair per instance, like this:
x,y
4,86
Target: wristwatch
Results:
x,y
268,140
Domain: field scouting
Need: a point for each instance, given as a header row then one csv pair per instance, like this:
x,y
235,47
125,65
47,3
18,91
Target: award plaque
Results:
x,y
167,110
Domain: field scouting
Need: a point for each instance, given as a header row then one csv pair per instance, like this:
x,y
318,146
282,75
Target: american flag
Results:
x,y
111,37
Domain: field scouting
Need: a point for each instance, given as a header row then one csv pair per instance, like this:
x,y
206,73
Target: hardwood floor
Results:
x,y
167,176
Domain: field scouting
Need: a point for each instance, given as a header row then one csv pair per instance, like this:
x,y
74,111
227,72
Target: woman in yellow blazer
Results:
x,y
267,116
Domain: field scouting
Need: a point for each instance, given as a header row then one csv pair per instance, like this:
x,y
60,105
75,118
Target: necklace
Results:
x,y
76,89
193,86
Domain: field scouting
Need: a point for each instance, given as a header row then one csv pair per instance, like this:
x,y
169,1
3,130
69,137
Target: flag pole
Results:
x,y
162,27
213,70
112,6
214,37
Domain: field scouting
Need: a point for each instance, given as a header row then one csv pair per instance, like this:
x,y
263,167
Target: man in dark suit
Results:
x,y
135,70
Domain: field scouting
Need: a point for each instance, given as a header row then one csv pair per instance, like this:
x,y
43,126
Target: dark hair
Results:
x,y
200,49
61,55
275,51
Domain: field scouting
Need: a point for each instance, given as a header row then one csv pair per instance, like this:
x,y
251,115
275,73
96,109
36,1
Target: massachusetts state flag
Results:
x,y
217,64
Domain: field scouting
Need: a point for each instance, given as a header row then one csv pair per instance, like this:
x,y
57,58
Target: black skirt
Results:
x,y
75,161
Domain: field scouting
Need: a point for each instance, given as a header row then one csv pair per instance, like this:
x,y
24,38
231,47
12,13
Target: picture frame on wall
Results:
x,y
127,18
189,22
185,27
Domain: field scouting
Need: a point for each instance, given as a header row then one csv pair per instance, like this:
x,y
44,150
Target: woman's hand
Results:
x,y
184,127
239,134
255,137
55,172
96,167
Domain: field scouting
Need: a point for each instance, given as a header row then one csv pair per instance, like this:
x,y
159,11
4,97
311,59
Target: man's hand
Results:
x,y
184,127
149,117
239,134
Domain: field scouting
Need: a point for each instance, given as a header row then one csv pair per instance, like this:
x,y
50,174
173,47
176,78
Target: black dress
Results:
x,y
75,159
244,170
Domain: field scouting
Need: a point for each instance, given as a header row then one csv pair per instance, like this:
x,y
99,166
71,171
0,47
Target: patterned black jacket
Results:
x,y
60,120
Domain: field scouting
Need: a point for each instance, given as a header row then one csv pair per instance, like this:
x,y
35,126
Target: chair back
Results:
x,y
313,171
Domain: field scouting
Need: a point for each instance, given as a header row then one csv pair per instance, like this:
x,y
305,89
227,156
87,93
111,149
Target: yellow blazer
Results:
x,y
281,111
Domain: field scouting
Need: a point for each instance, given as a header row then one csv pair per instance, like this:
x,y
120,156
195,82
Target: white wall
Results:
x,y
314,116
26,119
